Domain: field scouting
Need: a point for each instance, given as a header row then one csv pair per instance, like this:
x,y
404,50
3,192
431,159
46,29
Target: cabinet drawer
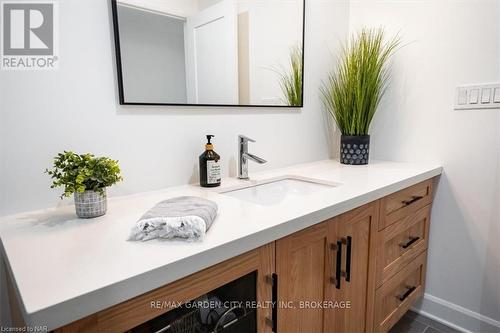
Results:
x,y
397,295
400,204
401,242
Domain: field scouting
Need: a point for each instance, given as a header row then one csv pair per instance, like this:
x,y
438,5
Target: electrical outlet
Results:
x,y
478,96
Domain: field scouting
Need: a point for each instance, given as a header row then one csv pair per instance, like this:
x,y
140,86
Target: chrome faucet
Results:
x,y
244,156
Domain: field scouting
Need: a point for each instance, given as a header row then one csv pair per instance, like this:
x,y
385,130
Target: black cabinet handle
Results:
x,y
273,321
409,242
336,279
274,315
348,259
412,200
338,264
407,293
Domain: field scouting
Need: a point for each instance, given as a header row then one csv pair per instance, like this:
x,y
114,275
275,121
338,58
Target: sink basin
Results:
x,y
274,191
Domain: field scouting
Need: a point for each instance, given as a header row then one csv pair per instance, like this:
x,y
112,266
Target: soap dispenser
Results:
x,y
210,170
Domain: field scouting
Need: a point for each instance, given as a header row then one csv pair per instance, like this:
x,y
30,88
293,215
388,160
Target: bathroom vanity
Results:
x,y
350,258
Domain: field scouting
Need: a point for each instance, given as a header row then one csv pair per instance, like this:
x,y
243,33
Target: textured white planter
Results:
x,y
90,204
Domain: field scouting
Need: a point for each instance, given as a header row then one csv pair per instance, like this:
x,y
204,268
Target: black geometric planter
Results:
x,y
354,149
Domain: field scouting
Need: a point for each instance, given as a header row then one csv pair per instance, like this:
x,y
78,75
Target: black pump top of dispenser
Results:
x,y
209,145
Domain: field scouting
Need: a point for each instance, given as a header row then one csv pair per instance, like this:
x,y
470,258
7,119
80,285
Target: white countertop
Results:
x,y
66,268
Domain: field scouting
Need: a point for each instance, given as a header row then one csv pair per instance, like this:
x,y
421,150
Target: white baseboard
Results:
x,y
456,316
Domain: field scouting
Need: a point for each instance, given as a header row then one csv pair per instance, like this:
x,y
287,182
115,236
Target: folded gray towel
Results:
x,y
181,217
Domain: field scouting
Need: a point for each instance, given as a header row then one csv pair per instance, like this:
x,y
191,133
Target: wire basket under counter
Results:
x,y
188,323
234,320
222,310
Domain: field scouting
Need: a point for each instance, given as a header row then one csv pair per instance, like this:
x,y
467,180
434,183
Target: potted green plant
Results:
x,y
353,91
86,177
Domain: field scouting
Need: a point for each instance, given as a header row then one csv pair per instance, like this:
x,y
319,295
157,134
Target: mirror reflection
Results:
x,y
210,52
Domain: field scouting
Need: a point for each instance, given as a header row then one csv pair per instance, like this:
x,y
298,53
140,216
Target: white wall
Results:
x,y
76,108
204,4
449,43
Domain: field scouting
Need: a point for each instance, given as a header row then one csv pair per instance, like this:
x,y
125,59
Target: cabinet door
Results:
x,y
352,271
300,268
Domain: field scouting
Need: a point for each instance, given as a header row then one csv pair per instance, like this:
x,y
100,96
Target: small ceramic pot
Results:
x,y
354,149
90,204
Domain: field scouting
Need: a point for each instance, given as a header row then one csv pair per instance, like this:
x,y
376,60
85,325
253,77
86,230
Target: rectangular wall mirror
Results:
x,y
210,52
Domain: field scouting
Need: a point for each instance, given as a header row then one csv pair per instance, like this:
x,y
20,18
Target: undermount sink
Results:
x,y
274,191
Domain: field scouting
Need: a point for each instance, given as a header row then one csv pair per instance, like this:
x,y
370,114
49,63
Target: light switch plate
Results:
x,y
478,96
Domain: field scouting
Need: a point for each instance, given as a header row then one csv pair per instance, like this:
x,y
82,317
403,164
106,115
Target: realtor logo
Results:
x,y
29,39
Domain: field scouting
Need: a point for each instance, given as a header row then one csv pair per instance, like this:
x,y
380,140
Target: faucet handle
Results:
x,y
243,138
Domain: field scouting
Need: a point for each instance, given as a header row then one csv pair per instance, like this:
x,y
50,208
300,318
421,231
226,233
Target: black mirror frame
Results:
x,y
114,6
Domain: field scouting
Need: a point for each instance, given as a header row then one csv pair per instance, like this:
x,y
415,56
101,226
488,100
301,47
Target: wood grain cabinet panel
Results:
x,y
402,242
353,234
405,202
301,272
396,296
326,272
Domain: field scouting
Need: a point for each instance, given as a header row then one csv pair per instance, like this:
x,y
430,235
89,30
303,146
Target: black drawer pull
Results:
x,y
407,293
274,315
348,259
336,279
409,242
412,200
338,264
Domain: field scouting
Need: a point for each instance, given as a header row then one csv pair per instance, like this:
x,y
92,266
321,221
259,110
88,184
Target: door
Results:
x,y
212,55
351,263
300,269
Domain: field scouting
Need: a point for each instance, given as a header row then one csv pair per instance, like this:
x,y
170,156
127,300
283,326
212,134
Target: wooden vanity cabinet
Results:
x,y
373,257
353,234
357,272
325,275
401,258
302,272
